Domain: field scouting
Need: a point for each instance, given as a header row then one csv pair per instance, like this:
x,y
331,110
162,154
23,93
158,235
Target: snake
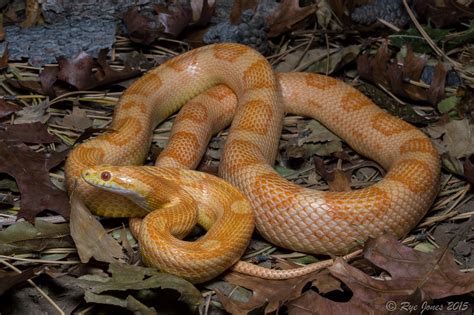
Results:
x,y
229,83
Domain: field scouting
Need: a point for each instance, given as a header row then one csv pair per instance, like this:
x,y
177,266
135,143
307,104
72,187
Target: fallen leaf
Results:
x,y
469,168
335,61
4,58
36,133
139,27
133,280
202,11
33,13
455,137
174,21
286,15
267,294
78,71
91,239
48,77
34,113
415,277
448,104
337,179
436,90
7,108
77,119
23,237
31,172
393,75
29,85
443,12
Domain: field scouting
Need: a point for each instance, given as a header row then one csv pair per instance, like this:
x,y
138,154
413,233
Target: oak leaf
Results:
x,y
31,172
415,277
286,15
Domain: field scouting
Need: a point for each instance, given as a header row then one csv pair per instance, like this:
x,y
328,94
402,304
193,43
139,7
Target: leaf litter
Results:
x,y
319,37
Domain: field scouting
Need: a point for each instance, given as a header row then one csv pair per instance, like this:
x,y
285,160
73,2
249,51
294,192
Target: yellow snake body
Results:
x,y
290,216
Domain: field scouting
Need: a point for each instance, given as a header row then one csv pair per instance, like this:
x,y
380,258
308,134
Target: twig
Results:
x,y
42,261
428,39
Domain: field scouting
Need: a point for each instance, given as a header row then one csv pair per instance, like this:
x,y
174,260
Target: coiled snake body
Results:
x,y
219,80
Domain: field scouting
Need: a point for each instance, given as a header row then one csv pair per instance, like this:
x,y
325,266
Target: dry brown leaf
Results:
x,y
78,71
267,294
90,236
33,13
436,90
337,179
48,77
4,58
7,108
174,21
36,133
202,11
381,70
469,168
139,27
286,15
31,172
77,119
443,12
415,277
340,181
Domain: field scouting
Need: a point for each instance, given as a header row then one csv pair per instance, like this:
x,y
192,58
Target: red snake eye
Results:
x,y
105,176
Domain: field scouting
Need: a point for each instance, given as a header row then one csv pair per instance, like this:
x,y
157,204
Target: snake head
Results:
x,y
116,179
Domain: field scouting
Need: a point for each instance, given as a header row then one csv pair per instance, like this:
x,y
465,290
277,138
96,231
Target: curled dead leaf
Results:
x,y
90,236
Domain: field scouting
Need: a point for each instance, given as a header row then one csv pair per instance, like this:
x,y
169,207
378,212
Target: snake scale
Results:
x,y
226,83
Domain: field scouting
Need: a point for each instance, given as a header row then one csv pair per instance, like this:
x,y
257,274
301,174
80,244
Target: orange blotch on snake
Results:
x,y
277,191
229,54
195,112
353,101
418,145
145,86
134,105
257,76
389,125
403,172
87,155
257,116
183,148
126,129
358,207
181,62
219,93
320,82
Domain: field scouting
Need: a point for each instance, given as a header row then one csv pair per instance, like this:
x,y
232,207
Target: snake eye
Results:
x,y
105,176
